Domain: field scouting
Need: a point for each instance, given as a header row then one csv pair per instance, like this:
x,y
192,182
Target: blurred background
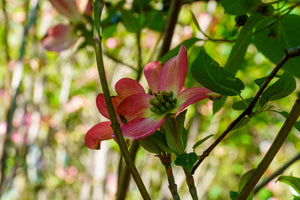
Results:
x,y
52,98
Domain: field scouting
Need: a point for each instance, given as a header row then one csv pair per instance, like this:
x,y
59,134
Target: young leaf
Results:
x,y
161,141
284,86
208,72
182,132
168,129
187,160
286,114
292,181
201,141
242,105
239,7
273,40
150,145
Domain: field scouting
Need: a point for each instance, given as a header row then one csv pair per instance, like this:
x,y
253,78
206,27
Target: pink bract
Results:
x,y
103,131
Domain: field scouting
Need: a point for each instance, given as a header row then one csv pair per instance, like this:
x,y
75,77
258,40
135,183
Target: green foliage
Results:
x,y
239,7
186,160
244,179
274,35
183,135
201,141
292,181
283,87
208,72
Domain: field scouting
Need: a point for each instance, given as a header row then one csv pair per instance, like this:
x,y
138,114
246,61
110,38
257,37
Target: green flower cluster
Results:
x,y
162,102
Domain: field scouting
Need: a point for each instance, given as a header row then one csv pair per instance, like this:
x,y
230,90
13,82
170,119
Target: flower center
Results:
x,y
162,102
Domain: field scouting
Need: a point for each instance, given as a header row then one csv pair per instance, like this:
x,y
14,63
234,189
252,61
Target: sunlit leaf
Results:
x,y
201,141
208,72
278,35
292,181
283,87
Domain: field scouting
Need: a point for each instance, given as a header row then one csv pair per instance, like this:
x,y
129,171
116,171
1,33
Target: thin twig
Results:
x,y
170,26
290,53
276,173
110,56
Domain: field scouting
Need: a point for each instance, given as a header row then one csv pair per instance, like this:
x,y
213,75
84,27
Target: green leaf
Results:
x,y
150,145
201,141
182,131
155,20
283,87
238,51
130,22
242,104
286,114
208,72
239,7
168,129
292,181
187,43
296,197
160,141
233,195
187,160
273,40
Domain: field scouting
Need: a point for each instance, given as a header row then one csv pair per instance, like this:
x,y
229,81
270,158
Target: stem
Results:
x,y
98,6
278,142
278,172
124,175
191,183
140,67
166,161
189,177
170,26
290,53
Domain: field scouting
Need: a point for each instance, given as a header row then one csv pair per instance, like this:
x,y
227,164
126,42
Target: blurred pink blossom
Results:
x,y
59,38
3,128
77,102
112,185
17,138
112,42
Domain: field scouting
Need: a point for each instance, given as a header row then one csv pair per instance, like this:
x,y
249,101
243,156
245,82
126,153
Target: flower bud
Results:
x,y
67,8
59,38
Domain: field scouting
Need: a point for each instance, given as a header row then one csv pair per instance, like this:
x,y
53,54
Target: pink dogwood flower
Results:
x,y
63,36
146,113
141,114
103,131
